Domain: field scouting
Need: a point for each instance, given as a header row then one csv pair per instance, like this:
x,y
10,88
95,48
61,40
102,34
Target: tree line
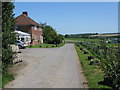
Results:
x,y
86,35
89,35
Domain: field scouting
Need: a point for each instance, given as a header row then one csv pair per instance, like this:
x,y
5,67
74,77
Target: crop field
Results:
x,y
97,41
73,40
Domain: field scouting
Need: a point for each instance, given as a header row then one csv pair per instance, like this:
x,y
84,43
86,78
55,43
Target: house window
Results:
x,y
35,27
40,29
22,39
35,38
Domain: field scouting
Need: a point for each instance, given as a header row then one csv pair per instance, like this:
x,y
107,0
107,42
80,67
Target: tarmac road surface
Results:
x,y
49,68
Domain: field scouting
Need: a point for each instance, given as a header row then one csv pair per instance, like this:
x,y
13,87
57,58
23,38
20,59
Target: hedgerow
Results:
x,y
8,26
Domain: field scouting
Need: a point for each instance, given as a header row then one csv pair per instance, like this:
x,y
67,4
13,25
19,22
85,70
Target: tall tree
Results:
x,y
50,35
59,39
8,26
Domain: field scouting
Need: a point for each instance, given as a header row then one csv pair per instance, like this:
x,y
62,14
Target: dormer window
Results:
x,y
35,27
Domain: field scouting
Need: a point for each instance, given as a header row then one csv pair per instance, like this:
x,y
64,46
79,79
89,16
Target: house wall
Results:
x,y
36,35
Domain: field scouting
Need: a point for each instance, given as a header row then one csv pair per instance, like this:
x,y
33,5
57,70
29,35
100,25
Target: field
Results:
x,y
97,41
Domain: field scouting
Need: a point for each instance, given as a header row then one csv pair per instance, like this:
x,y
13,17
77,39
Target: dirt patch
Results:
x,y
17,67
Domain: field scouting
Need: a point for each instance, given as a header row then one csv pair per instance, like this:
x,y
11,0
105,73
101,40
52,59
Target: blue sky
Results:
x,y
73,17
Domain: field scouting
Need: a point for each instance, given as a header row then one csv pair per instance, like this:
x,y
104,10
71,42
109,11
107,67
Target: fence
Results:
x,y
101,50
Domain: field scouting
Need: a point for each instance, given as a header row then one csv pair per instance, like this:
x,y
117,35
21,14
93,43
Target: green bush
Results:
x,y
51,36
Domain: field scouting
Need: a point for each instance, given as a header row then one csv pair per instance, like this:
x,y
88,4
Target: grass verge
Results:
x,y
81,40
46,45
93,73
0,74
97,41
6,78
0,80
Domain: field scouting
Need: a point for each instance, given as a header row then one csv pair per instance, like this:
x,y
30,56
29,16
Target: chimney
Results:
x,y
25,13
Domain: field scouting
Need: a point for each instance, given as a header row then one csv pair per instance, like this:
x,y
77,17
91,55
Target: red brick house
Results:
x,y
25,24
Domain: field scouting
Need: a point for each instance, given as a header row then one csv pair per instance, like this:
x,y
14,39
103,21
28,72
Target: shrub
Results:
x,y
53,46
40,46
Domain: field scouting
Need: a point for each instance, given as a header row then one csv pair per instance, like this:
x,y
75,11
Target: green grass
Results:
x,y
0,80
0,74
73,40
46,46
6,78
81,40
93,73
112,44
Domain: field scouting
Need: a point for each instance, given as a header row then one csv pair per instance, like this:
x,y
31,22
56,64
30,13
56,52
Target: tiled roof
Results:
x,y
25,20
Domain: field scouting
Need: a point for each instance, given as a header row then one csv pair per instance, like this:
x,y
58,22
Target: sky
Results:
x,y
73,17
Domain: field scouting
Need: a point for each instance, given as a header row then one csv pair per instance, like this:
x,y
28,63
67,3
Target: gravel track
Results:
x,y
49,68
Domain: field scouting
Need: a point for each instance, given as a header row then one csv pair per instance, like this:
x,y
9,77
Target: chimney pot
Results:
x,y
26,13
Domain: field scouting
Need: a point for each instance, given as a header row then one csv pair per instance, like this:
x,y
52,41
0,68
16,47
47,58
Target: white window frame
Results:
x,y
35,27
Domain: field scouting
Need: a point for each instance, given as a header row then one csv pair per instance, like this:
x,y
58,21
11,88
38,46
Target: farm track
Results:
x,y
49,68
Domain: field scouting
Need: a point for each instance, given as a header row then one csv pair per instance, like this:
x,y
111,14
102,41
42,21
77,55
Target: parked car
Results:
x,y
21,44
